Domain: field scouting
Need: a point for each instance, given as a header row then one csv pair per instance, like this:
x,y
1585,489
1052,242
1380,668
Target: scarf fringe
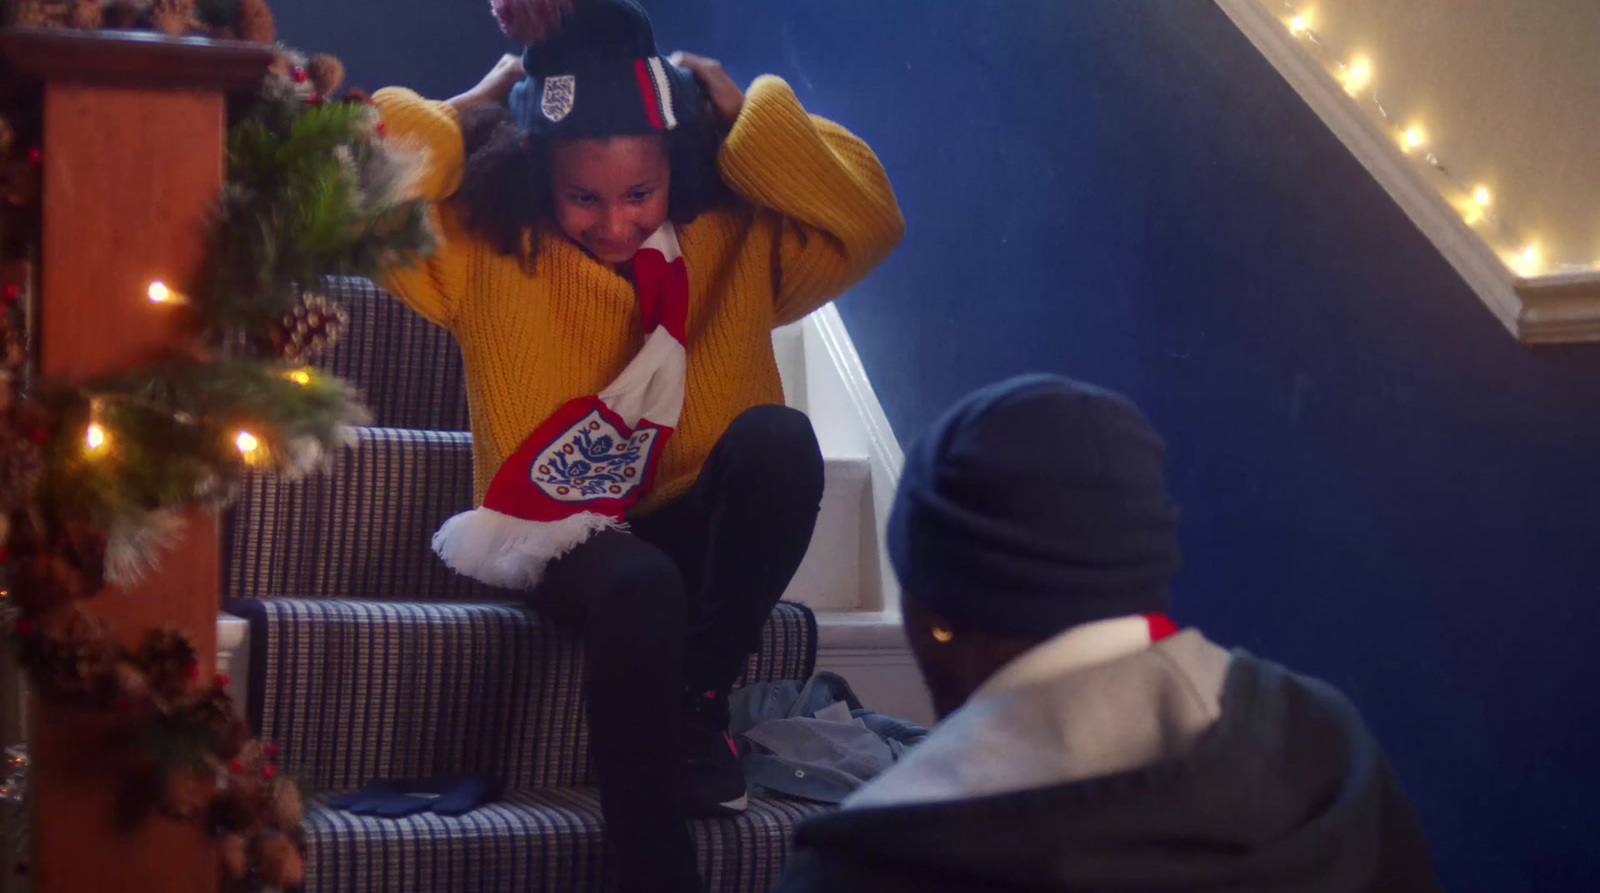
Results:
x,y
498,549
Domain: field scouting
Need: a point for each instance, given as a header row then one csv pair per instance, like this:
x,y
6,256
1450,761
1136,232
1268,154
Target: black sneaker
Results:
x,y
712,780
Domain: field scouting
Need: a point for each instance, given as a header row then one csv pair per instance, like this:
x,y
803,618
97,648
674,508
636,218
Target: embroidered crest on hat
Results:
x,y
559,96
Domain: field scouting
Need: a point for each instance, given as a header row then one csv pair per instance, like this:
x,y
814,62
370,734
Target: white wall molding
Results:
x,y
233,656
830,352
870,651
1539,310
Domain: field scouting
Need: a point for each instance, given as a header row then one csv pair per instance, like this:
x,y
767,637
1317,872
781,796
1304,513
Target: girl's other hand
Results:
x,y
495,86
726,99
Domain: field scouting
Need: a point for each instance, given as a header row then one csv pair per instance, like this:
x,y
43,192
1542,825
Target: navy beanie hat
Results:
x,y
1035,505
599,74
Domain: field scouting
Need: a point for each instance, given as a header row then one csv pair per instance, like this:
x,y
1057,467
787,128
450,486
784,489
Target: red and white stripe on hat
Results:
x,y
655,90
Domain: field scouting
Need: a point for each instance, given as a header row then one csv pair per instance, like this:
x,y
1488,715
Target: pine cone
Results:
x,y
19,181
88,15
278,861
131,683
21,468
169,661
174,18
288,808
187,792
216,711
231,851
233,739
122,14
240,807
314,325
13,349
57,564
327,73
253,21
72,658
41,13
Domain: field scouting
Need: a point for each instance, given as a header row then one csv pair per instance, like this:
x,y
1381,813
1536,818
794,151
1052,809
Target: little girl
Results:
x,y
620,235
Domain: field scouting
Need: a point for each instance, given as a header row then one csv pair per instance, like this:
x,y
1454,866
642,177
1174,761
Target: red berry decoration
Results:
x,y
382,129
5,555
13,292
35,155
222,680
300,75
193,671
269,772
272,751
38,435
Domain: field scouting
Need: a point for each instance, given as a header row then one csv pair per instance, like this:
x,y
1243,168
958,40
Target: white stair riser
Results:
x,y
830,577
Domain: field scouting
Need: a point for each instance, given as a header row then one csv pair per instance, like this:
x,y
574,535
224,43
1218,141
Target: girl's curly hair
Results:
x,y
505,183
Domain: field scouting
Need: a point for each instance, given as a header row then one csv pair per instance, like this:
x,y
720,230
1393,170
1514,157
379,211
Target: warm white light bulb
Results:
x,y
247,442
1482,196
1300,23
1530,260
300,377
95,436
1413,138
159,293
1358,75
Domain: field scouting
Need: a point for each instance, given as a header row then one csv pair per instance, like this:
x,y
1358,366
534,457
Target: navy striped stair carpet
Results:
x,y
369,658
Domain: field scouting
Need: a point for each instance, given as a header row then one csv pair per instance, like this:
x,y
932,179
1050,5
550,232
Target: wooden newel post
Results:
x,y
133,159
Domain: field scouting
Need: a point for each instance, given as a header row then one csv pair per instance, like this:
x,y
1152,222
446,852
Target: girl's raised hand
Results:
x,y
727,100
495,86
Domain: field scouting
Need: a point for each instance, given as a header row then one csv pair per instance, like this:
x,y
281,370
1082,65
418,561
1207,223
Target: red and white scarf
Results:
x,y
580,470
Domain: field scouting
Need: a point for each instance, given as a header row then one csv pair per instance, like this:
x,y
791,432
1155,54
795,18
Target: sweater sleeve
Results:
x,y
430,287
839,214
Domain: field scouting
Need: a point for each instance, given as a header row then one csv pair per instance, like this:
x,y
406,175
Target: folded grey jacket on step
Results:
x,y
813,739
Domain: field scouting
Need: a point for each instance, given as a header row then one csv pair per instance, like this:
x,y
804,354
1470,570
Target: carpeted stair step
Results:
x,y
408,370
361,530
356,690
364,530
543,841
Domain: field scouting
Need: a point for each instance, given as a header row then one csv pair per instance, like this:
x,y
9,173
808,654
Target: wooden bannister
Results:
x,y
134,130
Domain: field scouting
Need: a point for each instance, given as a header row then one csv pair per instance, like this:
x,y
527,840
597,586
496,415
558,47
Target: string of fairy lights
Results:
x,y
97,435
1475,202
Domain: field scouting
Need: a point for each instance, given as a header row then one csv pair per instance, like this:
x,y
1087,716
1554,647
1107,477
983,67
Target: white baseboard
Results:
x,y
837,384
233,656
870,651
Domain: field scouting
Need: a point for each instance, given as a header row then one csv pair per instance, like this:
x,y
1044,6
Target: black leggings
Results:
x,y
677,604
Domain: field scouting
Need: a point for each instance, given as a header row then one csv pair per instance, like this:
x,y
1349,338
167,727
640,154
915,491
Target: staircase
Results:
x,y
368,658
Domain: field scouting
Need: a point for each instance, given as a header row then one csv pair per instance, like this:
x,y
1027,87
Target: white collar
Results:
x,y
1079,647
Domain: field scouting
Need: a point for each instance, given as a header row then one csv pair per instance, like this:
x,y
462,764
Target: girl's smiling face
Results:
x,y
610,195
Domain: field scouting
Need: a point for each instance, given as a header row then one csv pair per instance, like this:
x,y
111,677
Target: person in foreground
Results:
x,y
1086,743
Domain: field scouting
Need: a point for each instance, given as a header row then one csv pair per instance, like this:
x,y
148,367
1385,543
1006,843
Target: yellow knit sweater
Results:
x,y
817,214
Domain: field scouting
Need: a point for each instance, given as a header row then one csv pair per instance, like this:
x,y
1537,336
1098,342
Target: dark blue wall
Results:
x,y
1381,486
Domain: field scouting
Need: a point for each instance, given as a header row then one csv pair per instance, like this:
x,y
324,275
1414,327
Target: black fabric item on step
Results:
x,y
450,795
677,604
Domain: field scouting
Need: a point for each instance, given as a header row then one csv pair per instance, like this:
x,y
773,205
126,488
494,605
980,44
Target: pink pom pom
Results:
x,y
529,21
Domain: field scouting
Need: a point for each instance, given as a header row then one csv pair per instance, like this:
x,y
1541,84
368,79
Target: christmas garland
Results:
x,y
95,475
